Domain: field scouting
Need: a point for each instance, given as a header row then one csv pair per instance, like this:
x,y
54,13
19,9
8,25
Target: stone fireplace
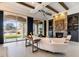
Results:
x,y
60,25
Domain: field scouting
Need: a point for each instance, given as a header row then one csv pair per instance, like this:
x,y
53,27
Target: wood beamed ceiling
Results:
x,y
63,5
48,6
51,8
27,5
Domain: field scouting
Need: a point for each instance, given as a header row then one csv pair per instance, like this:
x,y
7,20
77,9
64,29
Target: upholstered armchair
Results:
x,y
68,38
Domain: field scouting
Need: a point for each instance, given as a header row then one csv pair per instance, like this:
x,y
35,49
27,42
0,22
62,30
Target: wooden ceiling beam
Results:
x,y
27,5
63,5
39,2
51,8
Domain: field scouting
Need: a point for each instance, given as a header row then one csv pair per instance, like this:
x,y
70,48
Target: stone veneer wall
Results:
x,y
57,19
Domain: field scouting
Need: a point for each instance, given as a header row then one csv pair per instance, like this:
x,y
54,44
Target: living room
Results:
x,y
41,29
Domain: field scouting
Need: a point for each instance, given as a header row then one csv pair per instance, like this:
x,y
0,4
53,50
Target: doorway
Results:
x,y
14,28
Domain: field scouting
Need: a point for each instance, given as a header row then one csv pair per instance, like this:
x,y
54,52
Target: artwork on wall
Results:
x,y
59,25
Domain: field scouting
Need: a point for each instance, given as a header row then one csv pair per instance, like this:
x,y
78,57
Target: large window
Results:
x,y
14,28
38,28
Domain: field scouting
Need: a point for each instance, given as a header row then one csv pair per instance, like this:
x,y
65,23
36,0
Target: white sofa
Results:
x,y
52,44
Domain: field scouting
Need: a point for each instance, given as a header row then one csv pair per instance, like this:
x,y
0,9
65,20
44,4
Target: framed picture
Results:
x,y
59,25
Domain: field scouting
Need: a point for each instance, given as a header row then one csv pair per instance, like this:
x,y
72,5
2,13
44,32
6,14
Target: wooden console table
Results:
x,y
33,43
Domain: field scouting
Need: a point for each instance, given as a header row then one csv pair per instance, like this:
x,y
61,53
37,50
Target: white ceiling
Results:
x,y
57,6
18,9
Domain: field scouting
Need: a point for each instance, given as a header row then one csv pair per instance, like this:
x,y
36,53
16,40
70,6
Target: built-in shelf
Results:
x,y
73,26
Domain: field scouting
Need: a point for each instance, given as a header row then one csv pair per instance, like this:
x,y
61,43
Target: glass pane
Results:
x,y
38,28
19,30
14,29
10,30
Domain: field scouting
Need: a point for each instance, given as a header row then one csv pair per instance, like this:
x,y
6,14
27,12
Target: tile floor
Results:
x,y
18,49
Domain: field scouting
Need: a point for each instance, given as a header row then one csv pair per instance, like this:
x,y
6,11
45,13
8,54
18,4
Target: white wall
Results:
x,y
73,10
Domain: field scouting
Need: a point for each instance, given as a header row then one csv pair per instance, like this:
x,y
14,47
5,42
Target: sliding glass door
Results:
x,y
20,30
10,30
38,28
14,29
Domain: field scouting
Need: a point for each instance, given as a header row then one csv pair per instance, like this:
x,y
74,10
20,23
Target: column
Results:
x,y
54,28
29,25
1,28
47,28
26,27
